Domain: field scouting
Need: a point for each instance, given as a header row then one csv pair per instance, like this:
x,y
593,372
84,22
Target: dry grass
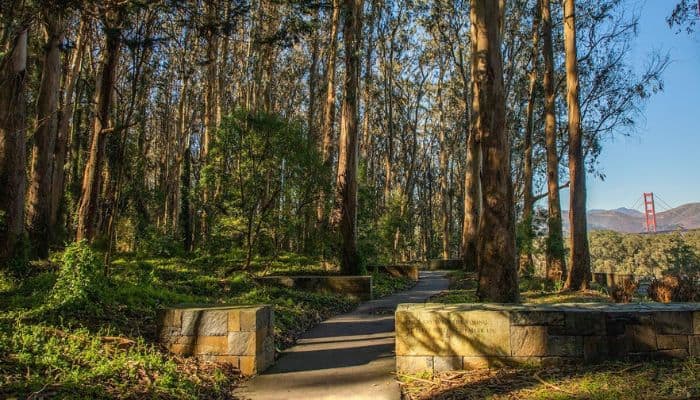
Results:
x,y
623,381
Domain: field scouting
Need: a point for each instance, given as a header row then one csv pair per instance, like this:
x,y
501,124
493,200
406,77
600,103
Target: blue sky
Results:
x,y
664,155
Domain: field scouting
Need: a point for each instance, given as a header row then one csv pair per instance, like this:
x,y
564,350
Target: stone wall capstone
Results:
x,y
443,337
239,335
442,264
398,270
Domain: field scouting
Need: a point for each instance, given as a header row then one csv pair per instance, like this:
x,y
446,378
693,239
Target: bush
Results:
x,y
624,292
81,274
674,288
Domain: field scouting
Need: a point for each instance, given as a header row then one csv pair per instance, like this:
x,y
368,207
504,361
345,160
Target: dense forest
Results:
x,y
163,152
356,131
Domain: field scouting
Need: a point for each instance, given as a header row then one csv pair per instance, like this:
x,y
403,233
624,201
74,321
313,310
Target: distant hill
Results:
x,y
623,219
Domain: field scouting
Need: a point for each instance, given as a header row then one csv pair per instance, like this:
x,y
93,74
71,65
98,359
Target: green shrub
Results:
x,y
81,274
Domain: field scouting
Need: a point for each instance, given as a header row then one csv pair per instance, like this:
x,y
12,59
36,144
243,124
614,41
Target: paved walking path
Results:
x,y
350,356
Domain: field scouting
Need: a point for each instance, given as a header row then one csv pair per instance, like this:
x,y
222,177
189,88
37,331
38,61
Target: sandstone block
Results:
x,y
170,318
248,365
254,319
399,271
214,323
670,354
548,318
469,363
595,348
696,323
185,350
447,363
211,345
423,334
234,320
241,343
528,341
642,338
581,323
674,322
619,346
479,333
565,346
694,345
414,364
617,322
670,342
191,320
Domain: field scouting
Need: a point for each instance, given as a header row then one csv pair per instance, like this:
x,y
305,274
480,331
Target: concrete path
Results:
x,y
350,356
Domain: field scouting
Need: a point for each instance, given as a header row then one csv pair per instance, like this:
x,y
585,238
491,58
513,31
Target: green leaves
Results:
x,y
80,276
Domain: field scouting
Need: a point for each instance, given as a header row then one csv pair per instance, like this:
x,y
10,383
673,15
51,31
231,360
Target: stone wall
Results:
x,y
443,337
357,287
441,264
398,270
610,279
239,335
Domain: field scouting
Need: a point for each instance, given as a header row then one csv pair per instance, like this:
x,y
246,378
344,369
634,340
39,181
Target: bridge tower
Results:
x,y
649,212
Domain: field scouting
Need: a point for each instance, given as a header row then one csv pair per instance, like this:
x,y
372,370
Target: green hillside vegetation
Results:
x,y
70,330
645,254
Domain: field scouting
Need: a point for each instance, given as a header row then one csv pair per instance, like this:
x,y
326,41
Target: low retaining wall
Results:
x,y
398,270
610,279
357,287
239,335
441,337
441,264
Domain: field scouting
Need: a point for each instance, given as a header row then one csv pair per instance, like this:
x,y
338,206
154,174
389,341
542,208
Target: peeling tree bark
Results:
x,y
13,69
346,182
579,275
328,117
554,251
92,176
39,226
65,117
497,259
526,263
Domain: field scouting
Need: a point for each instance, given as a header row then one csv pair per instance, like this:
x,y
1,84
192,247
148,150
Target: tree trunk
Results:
x,y
13,70
39,225
210,107
526,263
472,179
555,260
329,107
346,183
185,207
65,117
580,263
497,261
92,176
444,182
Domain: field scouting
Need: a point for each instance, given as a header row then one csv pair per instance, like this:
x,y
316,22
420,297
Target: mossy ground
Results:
x,y
104,346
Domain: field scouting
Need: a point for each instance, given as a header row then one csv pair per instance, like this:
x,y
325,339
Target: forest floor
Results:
x,y
676,379
104,346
